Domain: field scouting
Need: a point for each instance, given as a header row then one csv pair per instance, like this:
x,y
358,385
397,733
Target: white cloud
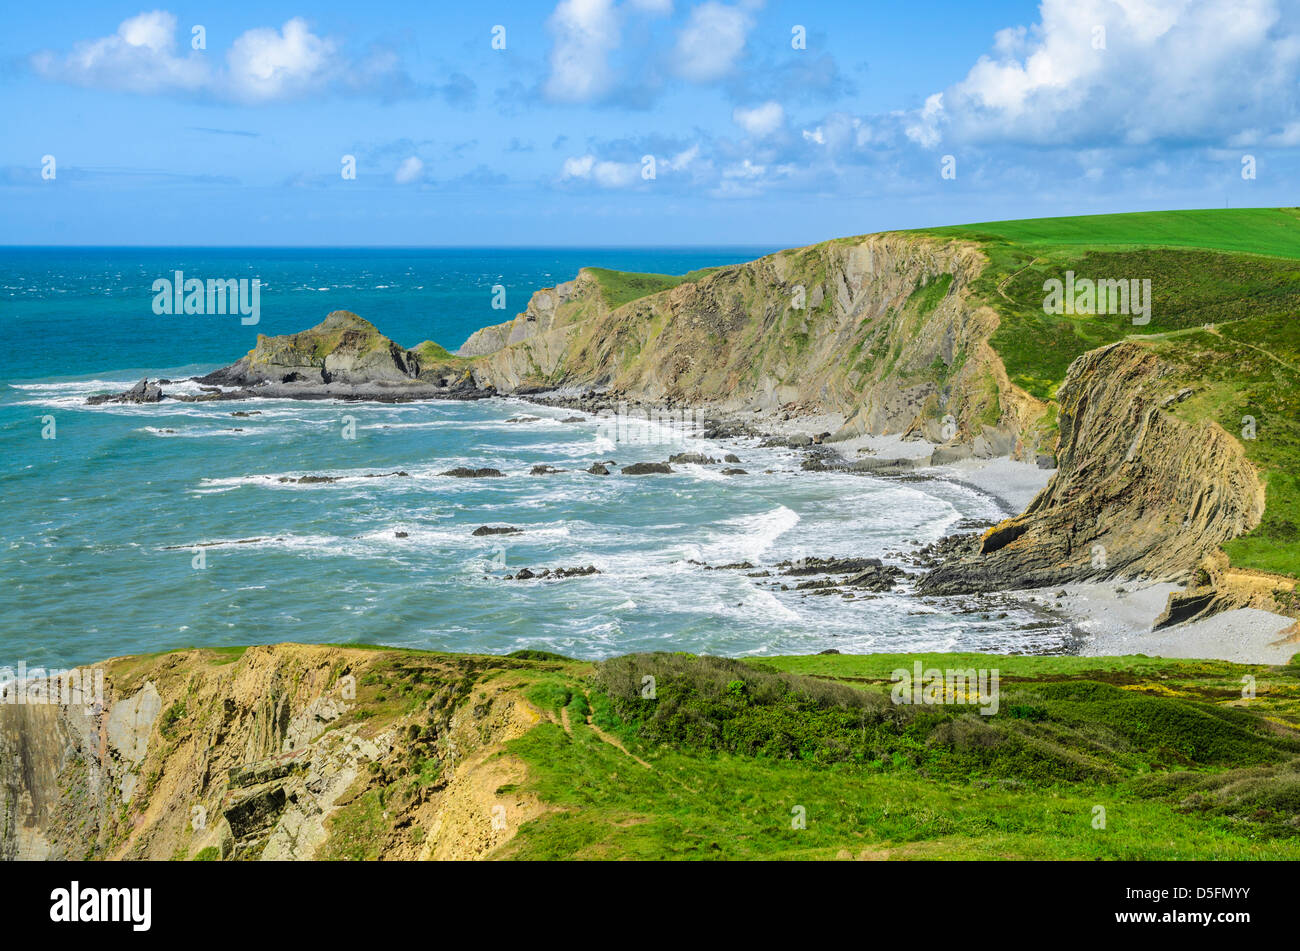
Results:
x,y
604,174
586,32
712,40
1131,72
682,160
262,64
841,131
140,57
607,174
745,170
411,170
578,167
761,120
266,63
924,130
615,174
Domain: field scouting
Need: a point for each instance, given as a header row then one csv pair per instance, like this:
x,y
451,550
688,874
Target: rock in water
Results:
x,y
647,468
142,392
461,472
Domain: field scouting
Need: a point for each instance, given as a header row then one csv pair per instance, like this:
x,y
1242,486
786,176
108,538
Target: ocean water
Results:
x,y
103,524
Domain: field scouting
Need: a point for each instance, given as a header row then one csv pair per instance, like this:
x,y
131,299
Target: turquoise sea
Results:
x,y
102,523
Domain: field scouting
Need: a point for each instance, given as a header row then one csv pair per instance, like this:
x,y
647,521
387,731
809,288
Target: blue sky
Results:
x,y
1063,107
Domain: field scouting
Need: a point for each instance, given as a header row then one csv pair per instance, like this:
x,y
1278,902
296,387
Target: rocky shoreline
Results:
x,y
1062,508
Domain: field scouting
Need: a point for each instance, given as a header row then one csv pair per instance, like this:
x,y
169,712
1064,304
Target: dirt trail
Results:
x,y
567,723
1268,353
1002,284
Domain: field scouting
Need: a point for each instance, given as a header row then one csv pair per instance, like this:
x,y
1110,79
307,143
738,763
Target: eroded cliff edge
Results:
x,y
284,752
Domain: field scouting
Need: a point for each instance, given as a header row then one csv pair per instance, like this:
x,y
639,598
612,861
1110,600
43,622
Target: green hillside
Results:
x,y
728,755
1271,231
1224,306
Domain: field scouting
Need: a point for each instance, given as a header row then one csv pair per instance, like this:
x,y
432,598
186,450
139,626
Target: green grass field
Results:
x,y
807,758
1274,232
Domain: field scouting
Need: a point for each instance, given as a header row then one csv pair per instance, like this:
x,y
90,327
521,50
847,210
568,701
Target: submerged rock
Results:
x,y
308,479
496,530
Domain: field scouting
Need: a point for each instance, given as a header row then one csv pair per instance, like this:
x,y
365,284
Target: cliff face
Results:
x,y
1137,491
285,752
880,329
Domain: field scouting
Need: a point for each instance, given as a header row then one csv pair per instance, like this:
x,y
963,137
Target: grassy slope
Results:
x,y
1183,766
1235,270
1271,231
623,287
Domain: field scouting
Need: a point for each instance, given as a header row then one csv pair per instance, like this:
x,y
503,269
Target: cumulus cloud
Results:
x,y
140,57
589,60
711,42
924,128
262,65
608,173
586,32
760,120
1130,72
266,63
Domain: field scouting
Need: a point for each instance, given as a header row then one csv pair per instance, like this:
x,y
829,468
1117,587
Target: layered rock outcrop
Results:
x,y
345,355
1137,492
274,752
881,330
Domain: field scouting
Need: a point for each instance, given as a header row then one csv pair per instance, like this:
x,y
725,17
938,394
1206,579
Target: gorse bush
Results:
x,y
1046,733
721,704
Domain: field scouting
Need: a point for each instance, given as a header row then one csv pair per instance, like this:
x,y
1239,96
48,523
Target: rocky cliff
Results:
x,y
888,332
285,752
1137,492
881,330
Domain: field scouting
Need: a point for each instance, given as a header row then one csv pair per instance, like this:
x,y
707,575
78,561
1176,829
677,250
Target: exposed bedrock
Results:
x,y
1137,492
881,330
